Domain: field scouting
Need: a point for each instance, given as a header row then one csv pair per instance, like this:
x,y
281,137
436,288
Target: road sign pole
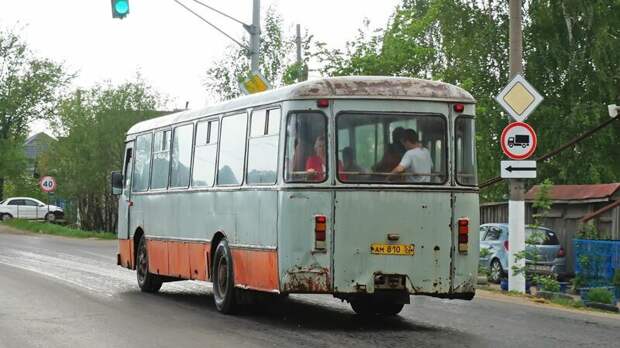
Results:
x,y
516,204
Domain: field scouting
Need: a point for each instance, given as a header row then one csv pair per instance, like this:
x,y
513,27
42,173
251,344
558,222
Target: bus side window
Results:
x,y
142,166
181,155
205,152
161,160
232,149
263,147
306,153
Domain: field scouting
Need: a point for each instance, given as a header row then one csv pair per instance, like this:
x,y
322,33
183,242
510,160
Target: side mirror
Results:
x,y
116,181
41,205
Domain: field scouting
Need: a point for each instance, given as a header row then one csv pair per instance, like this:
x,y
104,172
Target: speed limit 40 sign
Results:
x,y
47,184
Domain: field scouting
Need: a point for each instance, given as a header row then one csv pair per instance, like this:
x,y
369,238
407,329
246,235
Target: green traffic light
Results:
x,y
121,7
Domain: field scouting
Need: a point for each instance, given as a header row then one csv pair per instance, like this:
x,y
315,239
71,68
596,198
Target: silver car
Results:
x,y
494,248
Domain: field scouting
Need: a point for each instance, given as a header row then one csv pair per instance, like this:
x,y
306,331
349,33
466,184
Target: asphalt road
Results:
x,y
59,292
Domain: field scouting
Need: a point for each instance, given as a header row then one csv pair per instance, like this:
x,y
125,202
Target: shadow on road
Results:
x,y
295,313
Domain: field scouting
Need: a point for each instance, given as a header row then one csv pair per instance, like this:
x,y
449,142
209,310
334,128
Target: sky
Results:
x,y
169,47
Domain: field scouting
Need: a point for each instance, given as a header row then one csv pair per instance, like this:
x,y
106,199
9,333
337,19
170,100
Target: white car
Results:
x,y
29,208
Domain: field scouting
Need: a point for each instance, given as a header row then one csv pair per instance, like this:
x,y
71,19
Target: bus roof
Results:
x,y
346,87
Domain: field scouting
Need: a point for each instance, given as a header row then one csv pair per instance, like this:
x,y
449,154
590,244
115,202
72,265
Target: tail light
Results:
x,y
463,235
506,245
561,252
459,107
320,230
322,103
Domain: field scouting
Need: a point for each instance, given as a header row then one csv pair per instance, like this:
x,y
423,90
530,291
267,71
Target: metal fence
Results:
x,y
596,260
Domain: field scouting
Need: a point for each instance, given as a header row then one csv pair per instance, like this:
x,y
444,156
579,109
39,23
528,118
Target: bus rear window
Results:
x,y
391,149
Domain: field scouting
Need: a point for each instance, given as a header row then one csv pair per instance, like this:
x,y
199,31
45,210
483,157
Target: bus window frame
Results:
x,y
456,157
267,108
155,131
191,159
207,119
216,183
446,137
327,143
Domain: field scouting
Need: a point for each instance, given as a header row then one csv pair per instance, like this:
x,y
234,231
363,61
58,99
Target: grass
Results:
x,y
57,230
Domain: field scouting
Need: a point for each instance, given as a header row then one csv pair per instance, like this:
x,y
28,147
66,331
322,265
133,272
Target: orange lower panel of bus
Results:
x,y
255,269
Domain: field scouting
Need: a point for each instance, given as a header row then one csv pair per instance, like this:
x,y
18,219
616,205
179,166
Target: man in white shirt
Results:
x,y
416,161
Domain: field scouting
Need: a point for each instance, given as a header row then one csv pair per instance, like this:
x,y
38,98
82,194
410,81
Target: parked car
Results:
x,y
551,259
29,208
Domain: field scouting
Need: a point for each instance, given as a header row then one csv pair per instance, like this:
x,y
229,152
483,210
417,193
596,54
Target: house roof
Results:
x,y
600,192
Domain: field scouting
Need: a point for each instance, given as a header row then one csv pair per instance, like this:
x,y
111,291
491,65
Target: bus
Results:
x,y
294,191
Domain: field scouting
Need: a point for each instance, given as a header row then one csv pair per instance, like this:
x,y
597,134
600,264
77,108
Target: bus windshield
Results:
x,y
371,146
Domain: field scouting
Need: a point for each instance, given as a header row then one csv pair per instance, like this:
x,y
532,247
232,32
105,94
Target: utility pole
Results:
x,y
254,31
516,204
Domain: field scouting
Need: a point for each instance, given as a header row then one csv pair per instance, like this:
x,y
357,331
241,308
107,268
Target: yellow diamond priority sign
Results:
x,y
519,98
256,83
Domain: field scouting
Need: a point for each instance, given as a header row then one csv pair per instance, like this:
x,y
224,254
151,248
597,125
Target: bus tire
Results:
x,y
390,308
148,282
224,279
363,307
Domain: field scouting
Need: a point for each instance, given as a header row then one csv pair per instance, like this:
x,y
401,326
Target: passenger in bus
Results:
x,y
393,153
315,165
416,161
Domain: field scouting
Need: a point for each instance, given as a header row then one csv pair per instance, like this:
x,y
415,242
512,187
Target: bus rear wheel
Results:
x,y
224,279
148,282
368,306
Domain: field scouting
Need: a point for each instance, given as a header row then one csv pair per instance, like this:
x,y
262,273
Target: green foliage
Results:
x,y
547,283
570,52
57,230
30,88
600,295
590,231
616,279
542,201
277,61
91,128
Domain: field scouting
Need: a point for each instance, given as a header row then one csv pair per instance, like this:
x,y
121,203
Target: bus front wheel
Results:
x,y
148,282
223,279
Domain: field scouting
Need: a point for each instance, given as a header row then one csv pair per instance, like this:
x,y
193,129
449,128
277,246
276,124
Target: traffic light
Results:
x,y
120,8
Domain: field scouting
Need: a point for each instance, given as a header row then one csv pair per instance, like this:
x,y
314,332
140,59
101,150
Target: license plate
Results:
x,y
392,249
540,268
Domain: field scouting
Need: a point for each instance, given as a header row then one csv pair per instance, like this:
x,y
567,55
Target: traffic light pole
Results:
x,y
254,31
516,204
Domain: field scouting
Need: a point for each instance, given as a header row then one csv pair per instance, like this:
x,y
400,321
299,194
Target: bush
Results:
x,y
600,295
547,283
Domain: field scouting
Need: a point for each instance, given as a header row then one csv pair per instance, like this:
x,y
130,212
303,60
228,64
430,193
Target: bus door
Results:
x,y
392,231
124,201
306,207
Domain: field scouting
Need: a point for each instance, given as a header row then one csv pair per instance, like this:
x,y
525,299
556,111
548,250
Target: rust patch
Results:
x,y
306,280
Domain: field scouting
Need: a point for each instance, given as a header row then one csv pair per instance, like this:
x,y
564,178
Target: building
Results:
x,y
34,146
572,206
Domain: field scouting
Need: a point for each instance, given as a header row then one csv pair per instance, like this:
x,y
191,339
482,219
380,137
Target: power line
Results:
x,y
220,12
213,25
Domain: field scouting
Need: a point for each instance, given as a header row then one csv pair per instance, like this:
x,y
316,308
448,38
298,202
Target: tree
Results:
x,y
276,61
91,128
572,55
30,89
